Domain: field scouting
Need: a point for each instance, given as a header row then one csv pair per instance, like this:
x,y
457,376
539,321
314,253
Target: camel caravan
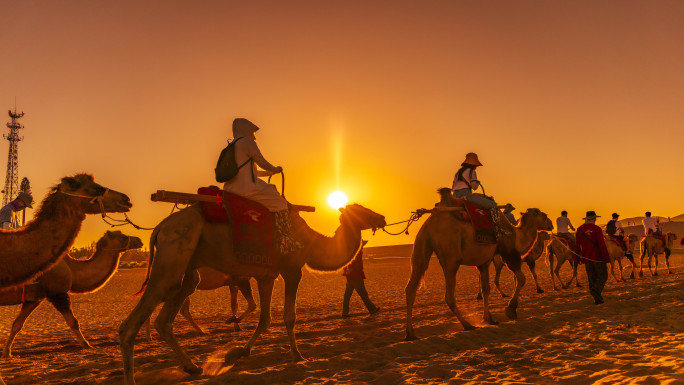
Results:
x,y
248,230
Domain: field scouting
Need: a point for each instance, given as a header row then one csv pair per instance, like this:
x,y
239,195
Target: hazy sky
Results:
x,y
572,105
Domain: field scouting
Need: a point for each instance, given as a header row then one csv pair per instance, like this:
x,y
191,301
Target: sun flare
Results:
x,y
337,199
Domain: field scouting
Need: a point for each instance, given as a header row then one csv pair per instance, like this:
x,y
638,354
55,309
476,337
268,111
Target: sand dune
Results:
x,y
637,336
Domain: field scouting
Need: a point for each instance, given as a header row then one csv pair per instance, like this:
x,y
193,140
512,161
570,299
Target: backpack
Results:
x,y
610,227
227,167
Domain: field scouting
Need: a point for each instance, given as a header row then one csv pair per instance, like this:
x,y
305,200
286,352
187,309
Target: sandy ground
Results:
x,y
637,336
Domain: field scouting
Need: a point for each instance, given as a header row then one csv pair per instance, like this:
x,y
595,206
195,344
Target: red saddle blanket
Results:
x,y
253,225
482,222
619,241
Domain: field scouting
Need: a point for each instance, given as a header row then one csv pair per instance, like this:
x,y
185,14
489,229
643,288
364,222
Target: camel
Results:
x,y
556,249
451,237
530,259
616,253
653,246
184,242
211,279
70,275
34,248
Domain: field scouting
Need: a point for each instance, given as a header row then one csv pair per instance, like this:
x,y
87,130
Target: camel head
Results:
x,y
362,217
116,240
536,219
632,241
93,197
671,237
543,236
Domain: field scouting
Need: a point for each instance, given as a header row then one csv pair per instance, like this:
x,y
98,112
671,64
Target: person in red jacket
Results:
x,y
591,245
354,274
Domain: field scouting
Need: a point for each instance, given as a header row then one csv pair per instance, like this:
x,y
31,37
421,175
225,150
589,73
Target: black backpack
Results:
x,y
610,227
227,167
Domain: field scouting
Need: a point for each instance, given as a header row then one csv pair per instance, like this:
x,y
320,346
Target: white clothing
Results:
x,y
618,228
650,223
243,184
563,225
469,175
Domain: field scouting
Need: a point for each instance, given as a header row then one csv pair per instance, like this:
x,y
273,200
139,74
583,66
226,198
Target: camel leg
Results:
x,y
185,312
667,260
612,269
148,330
631,259
531,264
641,263
550,259
62,303
174,250
622,278
513,303
246,290
420,259
651,257
26,309
498,266
265,286
484,283
234,307
556,271
164,321
575,265
291,279
450,282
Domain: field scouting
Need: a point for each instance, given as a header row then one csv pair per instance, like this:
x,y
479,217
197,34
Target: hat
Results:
x,y
471,159
591,215
615,215
26,198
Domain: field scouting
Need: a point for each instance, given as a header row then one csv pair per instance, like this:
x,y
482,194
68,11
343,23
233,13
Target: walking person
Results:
x,y
8,214
591,246
355,276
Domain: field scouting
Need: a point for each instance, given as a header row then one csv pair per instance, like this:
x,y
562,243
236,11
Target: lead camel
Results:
x,y
184,242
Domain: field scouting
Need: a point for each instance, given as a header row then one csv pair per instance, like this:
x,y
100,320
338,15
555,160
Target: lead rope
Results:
x,y
282,189
414,217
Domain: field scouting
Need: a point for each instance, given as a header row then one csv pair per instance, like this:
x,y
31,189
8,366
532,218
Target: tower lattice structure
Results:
x,y
12,178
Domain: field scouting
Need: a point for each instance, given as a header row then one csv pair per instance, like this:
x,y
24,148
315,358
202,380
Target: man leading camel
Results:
x,y
591,247
247,184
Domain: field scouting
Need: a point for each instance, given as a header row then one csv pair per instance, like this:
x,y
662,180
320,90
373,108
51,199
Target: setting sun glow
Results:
x,y
337,199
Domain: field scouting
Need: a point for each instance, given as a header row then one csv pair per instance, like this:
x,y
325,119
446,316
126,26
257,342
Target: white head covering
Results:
x,y
243,128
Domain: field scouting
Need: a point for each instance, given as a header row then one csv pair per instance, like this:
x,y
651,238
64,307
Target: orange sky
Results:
x,y
570,105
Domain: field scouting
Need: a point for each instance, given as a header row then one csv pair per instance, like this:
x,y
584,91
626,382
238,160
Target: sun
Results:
x,y
337,199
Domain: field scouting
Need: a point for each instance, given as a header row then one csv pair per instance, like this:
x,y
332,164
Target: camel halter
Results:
x,y
124,248
100,200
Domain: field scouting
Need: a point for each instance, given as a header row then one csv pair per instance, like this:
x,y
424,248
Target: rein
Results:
x,y
282,188
554,236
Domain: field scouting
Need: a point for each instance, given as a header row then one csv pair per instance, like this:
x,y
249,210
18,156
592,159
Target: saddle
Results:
x,y
478,216
618,241
253,225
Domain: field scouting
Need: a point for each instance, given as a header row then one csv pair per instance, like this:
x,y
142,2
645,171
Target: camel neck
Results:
x,y
40,243
525,237
90,274
330,254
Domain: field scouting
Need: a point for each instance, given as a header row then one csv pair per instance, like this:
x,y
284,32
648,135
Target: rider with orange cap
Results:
x,y
465,181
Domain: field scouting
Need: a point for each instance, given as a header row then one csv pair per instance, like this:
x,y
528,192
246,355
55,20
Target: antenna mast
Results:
x,y
12,178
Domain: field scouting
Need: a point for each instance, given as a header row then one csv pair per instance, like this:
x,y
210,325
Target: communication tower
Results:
x,y
12,179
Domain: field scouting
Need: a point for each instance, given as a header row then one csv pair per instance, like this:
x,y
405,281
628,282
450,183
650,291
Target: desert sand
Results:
x,y
637,336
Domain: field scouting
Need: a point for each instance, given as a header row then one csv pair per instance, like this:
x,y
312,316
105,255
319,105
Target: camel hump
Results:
x,y
446,199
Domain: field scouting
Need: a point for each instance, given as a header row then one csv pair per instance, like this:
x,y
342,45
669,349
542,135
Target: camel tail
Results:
x,y
153,243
